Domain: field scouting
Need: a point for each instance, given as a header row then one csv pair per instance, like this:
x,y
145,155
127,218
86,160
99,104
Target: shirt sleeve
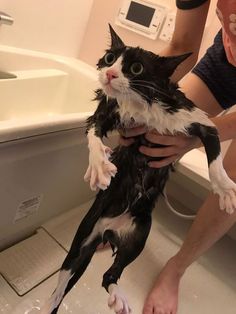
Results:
x,y
189,4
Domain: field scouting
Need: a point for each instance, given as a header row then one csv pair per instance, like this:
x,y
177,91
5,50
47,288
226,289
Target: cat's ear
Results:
x,y
169,64
116,42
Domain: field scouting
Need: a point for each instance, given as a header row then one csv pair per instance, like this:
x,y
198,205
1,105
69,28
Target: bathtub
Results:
x,y
43,149
51,93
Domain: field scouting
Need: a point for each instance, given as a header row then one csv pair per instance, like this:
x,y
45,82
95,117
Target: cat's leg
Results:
x,y
100,169
128,247
84,244
220,182
70,273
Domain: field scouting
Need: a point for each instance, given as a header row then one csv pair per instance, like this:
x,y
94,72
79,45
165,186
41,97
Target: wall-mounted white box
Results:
x,y
144,17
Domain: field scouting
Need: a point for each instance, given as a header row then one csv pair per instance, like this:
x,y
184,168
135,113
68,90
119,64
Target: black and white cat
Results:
x,y
136,89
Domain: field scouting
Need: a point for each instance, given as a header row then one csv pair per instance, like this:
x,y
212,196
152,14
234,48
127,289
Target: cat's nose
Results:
x,y
111,74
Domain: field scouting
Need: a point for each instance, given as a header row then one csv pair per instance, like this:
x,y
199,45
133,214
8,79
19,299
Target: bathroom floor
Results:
x,y
209,286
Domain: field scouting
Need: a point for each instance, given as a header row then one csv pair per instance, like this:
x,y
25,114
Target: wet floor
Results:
x,y
209,285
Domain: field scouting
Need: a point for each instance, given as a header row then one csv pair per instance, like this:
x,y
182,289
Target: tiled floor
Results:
x,y
209,286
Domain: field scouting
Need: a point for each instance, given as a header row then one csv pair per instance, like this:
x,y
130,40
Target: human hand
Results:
x,y
176,147
127,135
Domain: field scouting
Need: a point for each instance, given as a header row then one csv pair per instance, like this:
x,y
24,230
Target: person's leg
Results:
x,y
209,226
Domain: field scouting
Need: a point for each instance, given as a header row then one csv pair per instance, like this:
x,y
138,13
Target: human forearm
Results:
x,y
226,126
187,37
185,66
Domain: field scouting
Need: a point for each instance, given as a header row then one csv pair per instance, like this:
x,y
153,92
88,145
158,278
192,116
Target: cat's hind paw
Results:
x,y
117,300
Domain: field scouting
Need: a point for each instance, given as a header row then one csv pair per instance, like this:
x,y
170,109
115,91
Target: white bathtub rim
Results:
x,y
20,128
70,62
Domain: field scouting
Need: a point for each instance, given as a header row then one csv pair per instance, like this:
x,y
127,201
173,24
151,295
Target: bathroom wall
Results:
x,y
97,36
77,28
55,26
104,12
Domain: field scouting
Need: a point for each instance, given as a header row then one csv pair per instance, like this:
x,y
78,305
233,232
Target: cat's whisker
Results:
x,y
127,97
154,89
142,84
147,86
143,81
141,94
123,88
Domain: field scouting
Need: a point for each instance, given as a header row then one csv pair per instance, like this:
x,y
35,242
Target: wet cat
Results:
x,y
136,90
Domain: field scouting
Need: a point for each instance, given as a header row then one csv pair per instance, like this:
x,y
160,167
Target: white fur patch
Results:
x,y
223,186
116,86
100,169
156,117
123,224
117,300
57,296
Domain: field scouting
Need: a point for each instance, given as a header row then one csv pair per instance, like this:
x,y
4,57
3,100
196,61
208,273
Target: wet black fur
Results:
x,y
136,187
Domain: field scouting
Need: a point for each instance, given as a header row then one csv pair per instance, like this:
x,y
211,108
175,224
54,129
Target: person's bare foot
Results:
x,y
163,298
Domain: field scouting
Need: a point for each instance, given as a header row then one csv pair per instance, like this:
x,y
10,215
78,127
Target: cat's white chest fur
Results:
x,y
156,117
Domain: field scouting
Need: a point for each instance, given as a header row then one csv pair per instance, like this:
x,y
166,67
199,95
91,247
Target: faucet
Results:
x,y
7,75
5,19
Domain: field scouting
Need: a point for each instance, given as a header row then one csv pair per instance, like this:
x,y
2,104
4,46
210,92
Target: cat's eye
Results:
x,y
136,68
110,58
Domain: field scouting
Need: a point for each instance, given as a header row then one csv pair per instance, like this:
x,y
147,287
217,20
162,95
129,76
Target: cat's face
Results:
x,y
129,73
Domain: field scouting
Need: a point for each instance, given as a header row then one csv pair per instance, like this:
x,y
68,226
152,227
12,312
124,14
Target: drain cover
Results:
x,y
28,263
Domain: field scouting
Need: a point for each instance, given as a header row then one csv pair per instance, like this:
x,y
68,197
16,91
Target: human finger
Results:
x,y
158,151
132,132
164,162
125,141
180,142
163,139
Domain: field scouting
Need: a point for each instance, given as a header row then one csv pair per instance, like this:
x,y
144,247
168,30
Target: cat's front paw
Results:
x,y
117,300
100,175
227,196
100,169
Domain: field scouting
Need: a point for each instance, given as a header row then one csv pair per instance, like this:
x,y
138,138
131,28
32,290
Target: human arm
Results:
x,y
187,36
177,146
226,126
